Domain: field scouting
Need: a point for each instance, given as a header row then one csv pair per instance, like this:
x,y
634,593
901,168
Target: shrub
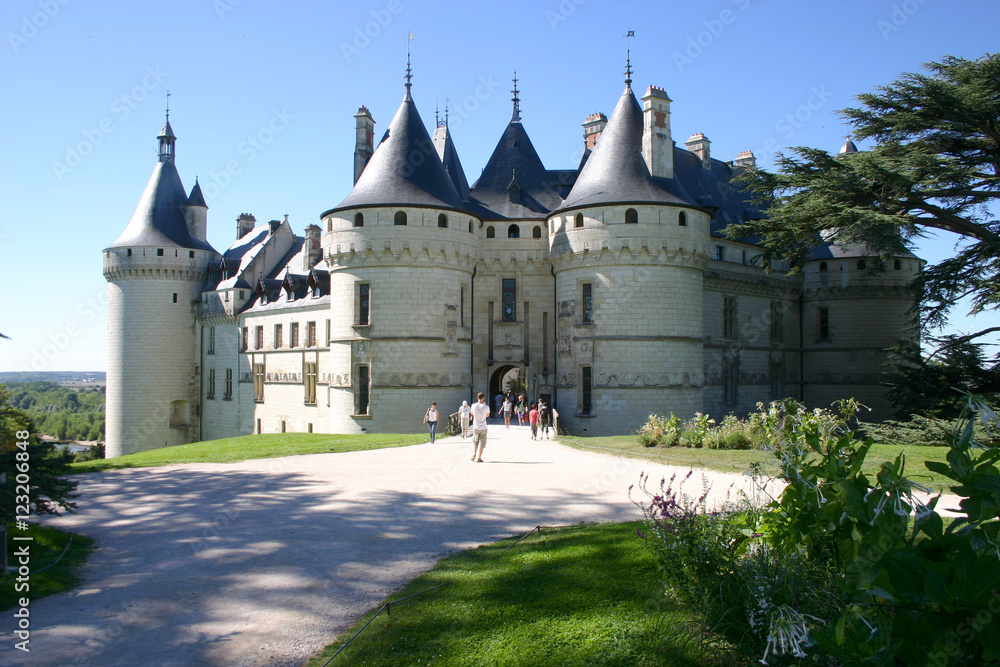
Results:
x,y
660,431
695,430
926,431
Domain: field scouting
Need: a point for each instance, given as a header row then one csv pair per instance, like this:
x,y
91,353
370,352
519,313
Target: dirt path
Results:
x,y
264,562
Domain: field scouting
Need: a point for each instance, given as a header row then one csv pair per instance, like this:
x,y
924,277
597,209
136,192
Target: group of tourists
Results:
x,y
537,415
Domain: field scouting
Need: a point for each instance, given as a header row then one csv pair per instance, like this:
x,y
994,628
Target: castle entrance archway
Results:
x,y
502,379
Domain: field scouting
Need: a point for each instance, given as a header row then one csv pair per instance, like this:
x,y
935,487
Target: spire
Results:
x,y
848,146
409,71
516,116
167,137
628,57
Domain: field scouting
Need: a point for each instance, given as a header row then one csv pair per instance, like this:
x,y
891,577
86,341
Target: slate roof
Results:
x,y
196,198
848,147
404,170
514,160
615,173
158,219
445,148
850,251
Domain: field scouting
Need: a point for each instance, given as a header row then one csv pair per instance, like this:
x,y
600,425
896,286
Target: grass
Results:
x,y
242,448
43,550
738,460
584,595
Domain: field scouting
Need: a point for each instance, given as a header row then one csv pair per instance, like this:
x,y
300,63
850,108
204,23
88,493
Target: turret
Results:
x,y
364,142
657,146
155,271
196,214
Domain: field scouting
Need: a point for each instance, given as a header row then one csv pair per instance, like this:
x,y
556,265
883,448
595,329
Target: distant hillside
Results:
x,y
65,378
62,410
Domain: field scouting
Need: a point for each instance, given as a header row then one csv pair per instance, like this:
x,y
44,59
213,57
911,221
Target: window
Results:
x,y
258,427
823,267
364,303
159,252
191,254
470,226
241,294
823,316
862,265
461,305
729,380
258,386
282,425
295,335
229,385
587,314
310,334
777,322
631,216
359,220
897,265
578,220
211,384
361,391
259,338
490,232
536,233
513,232
279,337
175,297
211,340
310,380
328,333
682,219
246,338
777,377
587,390
729,317
720,253
400,218
443,220
129,252
509,300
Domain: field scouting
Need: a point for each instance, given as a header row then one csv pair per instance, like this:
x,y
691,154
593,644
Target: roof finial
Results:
x,y
437,119
628,57
446,111
168,105
516,117
409,72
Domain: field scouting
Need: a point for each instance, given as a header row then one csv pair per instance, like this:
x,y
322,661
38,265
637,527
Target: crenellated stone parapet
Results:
x,y
398,247
147,264
639,251
760,284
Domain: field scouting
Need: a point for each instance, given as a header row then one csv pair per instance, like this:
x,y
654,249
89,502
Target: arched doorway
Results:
x,y
500,382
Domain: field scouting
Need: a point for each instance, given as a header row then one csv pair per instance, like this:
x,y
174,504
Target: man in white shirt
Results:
x,y
480,412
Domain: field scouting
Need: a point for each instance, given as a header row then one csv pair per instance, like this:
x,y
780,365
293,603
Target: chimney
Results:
x,y
244,224
745,160
274,224
311,248
364,146
592,128
657,145
699,145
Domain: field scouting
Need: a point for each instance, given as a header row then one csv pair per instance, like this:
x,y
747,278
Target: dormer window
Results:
x,y
513,232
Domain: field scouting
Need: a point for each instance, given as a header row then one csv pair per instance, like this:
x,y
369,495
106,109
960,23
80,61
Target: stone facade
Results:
x,y
416,290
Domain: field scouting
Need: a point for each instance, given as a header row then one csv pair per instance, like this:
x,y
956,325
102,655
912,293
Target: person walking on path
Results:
x,y
499,404
463,418
508,407
533,421
480,412
543,418
431,419
522,411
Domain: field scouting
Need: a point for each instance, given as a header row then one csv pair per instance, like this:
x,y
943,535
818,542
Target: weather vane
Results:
x,y
628,55
409,74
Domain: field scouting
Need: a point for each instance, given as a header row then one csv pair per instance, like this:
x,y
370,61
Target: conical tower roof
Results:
x,y
515,159
449,157
196,198
405,169
615,173
848,147
158,220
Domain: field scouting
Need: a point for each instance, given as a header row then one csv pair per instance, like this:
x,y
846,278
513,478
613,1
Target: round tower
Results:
x,y
629,255
155,272
401,249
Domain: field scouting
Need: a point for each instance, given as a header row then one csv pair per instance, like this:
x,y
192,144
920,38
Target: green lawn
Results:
x,y
265,446
43,550
583,595
737,461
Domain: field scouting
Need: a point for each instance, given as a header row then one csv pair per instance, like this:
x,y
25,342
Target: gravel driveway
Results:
x,y
264,562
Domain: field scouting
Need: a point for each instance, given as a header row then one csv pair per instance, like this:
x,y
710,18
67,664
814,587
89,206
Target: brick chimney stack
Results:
x,y
700,145
657,145
364,146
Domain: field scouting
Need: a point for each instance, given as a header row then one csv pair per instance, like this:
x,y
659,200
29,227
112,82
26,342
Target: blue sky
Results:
x,y
263,94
